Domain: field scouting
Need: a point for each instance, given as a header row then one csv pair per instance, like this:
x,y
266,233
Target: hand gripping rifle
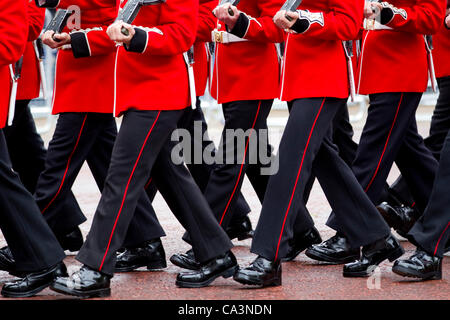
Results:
x,y
59,22
291,5
233,3
131,9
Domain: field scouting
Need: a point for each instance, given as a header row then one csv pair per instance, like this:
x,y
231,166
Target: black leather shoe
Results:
x,y
7,263
85,283
223,266
420,265
261,272
400,218
335,250
72,241
372,255
301,242
150,254
240,229
33,283
185,260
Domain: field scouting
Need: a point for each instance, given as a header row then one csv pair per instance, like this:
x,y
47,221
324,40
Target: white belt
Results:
x,y
225,37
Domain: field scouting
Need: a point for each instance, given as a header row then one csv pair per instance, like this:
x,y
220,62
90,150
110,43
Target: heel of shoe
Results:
x,y
230,272
155,265
396,254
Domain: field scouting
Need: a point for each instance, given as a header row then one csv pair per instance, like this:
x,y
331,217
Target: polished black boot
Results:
x,y
372,255
223,266
400,218
261,272
85,283
185,260
335,250
71,241
301,242
149,254
241,229
7,263
420,265
34,282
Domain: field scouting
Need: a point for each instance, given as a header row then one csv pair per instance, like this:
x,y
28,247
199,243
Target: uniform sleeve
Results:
x,y
343,22
63,4
206,20
13,30
425,17
262,28
175,32
91,42
36,17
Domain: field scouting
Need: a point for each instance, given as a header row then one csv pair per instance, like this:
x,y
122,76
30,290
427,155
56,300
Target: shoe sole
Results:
x,y
324,258
274,282
99,293
184,266
27,294
226,274
364,274
413,274
154,265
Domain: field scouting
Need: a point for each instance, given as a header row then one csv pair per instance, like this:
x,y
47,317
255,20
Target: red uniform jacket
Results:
x,y
151,72
315,64
13,37
29,82
249,70
206,24
84,79
441,52
396,60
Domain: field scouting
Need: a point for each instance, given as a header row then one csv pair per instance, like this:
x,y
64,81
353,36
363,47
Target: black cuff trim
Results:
x,y
139,42
386,15
47,3
301,25
241,26
80,45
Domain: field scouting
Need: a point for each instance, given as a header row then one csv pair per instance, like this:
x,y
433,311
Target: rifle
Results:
x,y
291,5
233,3
59,22
131,10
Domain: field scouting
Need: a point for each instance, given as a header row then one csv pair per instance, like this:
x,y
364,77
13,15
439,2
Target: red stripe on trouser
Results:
x,y
148,183
67,167
385,145
242,165
126,189
440,238
298,176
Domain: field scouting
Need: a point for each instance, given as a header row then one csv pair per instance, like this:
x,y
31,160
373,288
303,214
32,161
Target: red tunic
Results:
x,y
29,82
13,37
315,64
396,60
84,79
250,70
155,77
441,52
206,24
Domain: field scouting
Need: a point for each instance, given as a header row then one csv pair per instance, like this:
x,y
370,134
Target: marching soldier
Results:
x,y
314,84
390,133
152,94
35,249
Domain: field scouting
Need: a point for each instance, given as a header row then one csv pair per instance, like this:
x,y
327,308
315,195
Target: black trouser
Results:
x,y
432,231
32,243
440,124
201,171
27,153
390,134
306,148
81,137
142,148
342,137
